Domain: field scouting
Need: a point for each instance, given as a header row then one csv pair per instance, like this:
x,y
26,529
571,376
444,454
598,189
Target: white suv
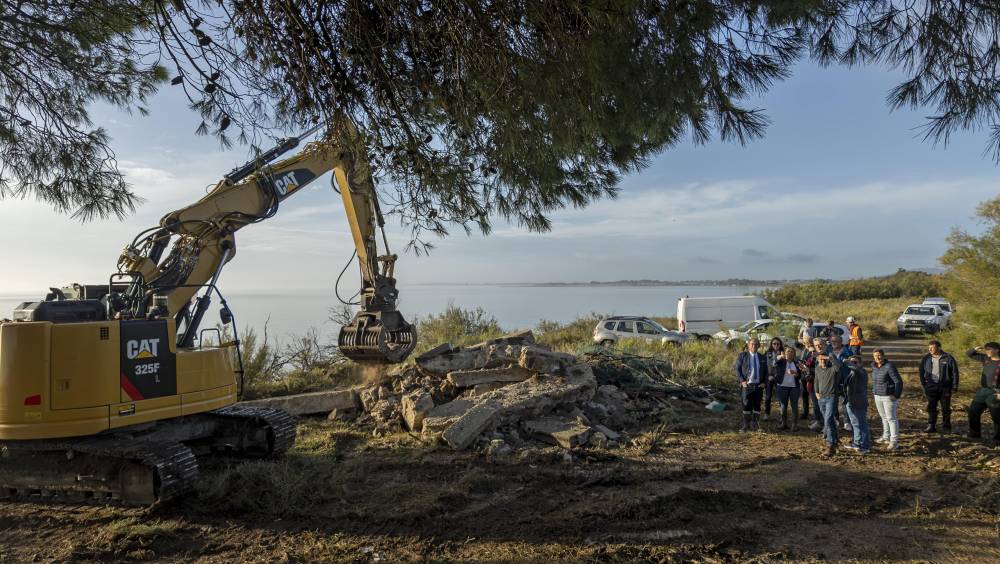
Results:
x,y
921,318
613,329
942,303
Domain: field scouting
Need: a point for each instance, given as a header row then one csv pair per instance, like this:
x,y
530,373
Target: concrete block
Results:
x,y
454,408
524,337
437,424
454,360
541,360
608,433
416,406
464,431
469,378
565,433
308,404
482,389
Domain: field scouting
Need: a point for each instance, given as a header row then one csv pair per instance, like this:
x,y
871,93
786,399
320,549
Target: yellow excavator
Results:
x,y
109,391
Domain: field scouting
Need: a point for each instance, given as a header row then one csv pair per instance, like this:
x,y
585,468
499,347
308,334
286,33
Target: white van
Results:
x,y
706,316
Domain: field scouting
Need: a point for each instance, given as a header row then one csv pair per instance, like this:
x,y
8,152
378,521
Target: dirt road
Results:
x,y
689,487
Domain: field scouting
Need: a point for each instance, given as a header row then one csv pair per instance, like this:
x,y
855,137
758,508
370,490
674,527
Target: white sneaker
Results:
x,y
882,441
847,427
893,446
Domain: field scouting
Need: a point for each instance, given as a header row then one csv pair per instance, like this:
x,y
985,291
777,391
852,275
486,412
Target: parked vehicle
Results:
x,y
767,329
921,318
942,303
703,317
614,329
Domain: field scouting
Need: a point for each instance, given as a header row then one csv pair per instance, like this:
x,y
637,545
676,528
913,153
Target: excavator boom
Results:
x,y
201,237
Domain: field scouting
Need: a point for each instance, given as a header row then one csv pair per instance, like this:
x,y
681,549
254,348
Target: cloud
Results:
x,y
802,257
753,253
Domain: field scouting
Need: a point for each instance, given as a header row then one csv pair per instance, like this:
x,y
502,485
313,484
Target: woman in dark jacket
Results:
x,y
775,352
788,381
887,387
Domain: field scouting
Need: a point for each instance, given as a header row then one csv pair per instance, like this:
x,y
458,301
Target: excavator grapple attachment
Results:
x,y
378,336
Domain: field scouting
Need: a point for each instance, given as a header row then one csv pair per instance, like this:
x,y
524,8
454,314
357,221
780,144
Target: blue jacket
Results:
x,y
743,368
886,380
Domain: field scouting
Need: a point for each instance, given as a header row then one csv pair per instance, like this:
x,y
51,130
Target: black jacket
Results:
x,y
989,379
779,373
949,374
856,387
743,368
886,380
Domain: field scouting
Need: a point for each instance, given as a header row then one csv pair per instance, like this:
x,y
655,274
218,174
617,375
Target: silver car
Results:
x,y
613,329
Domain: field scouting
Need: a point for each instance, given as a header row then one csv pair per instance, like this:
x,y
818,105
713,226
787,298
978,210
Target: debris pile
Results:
x,y
504,393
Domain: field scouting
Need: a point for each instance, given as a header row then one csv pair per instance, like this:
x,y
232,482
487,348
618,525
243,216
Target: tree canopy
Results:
x,y
471,110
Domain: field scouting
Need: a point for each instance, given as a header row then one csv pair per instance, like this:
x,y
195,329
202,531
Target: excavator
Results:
x,y
110,392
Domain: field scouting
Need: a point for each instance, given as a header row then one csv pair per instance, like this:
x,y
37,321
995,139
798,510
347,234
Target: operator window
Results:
x,y
626,326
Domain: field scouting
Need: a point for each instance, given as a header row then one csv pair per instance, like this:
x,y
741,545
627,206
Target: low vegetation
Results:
x,y
899,285
876,316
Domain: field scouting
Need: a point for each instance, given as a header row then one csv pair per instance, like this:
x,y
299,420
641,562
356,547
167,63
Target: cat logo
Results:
x,y
143,348
285,184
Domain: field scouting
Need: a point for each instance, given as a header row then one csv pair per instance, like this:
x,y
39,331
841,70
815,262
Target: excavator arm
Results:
x,y
166,267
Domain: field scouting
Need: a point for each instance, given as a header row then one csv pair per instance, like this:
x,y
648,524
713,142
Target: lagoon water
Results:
x,y
514,306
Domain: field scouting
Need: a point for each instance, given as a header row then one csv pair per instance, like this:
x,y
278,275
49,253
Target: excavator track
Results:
x,y
278,424
100,470
142,466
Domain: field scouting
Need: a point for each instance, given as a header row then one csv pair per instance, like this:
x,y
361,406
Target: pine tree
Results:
x,y
469,110
56,58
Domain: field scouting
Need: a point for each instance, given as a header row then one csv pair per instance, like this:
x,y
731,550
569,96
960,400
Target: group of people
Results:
x,y
827,375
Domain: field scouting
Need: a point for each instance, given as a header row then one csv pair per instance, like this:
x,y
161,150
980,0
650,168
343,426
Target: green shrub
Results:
x,y
456,326
901,284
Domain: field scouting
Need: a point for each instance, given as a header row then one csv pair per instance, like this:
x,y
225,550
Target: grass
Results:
x,y
877,317
130,538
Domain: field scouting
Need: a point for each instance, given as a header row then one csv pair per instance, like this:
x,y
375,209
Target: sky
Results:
x,y
839,187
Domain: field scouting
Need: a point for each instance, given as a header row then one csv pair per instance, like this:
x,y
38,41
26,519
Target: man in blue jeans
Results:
x,y
856,404
827,387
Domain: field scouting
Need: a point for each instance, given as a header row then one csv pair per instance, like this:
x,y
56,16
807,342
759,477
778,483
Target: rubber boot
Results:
x,y
831,450
755,421
746,422
945,423
784,421
795,419
931,422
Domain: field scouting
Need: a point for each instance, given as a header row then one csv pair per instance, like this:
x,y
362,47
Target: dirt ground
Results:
x,y
688,487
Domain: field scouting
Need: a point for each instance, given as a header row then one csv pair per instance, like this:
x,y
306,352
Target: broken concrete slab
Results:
x,y
454,408
541,393
452,361
542,360
437,424
608,433
482,389
308,404
438,350
416,406
469,378
468,427
524,337
565,433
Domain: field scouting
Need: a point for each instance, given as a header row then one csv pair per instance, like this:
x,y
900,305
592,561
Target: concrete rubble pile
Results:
x,y
498,396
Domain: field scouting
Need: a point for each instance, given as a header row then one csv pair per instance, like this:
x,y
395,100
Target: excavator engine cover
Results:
x,y
378,336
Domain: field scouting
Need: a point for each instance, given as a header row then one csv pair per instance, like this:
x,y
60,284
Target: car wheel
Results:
x,y
704,338
607,343
674,343
901,334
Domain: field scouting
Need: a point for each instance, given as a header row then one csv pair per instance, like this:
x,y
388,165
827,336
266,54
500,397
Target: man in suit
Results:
x,y
751,376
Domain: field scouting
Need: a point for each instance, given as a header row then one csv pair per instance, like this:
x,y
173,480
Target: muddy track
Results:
x,y
704,494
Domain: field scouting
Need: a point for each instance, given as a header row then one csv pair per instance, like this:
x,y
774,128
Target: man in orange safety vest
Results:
x,y
856,339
